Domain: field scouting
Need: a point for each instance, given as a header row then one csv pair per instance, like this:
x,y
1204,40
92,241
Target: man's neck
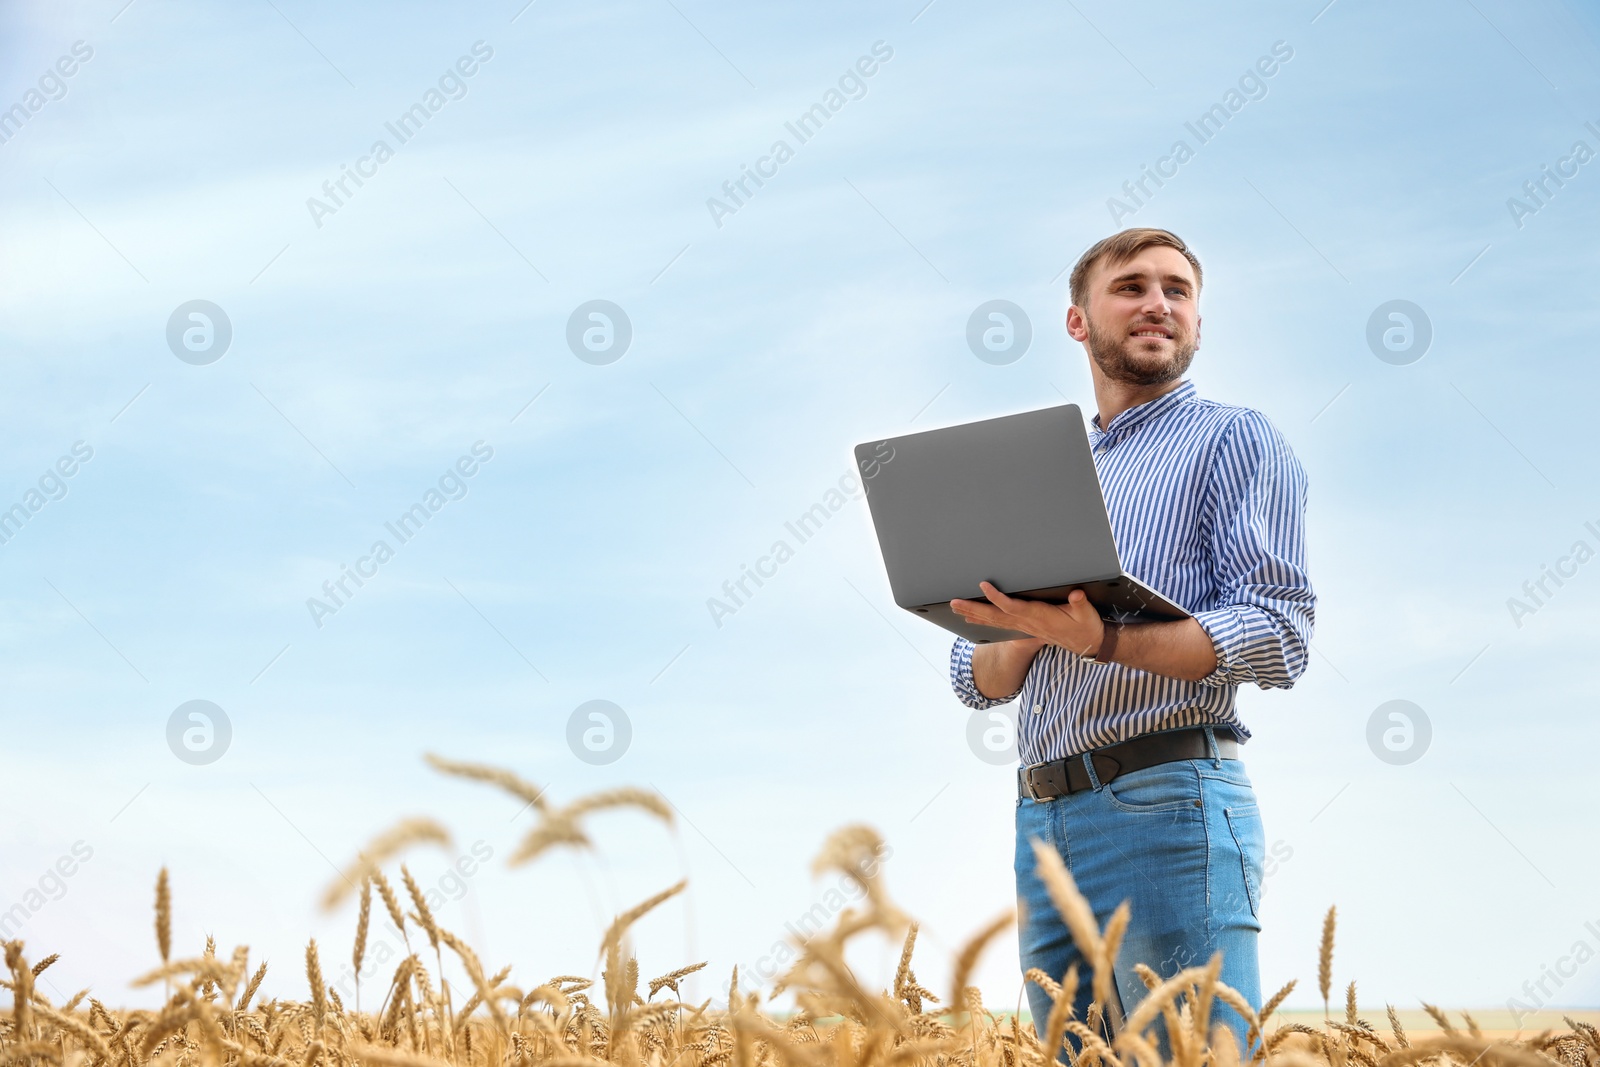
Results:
x,y
1114,397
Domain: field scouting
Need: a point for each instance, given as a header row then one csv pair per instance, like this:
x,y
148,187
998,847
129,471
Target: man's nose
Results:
x,y
1156,303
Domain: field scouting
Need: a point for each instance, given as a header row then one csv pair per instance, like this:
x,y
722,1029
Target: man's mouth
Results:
x,y
1153,331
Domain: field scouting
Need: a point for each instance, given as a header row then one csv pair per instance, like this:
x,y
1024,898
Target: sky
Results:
x,y
580,489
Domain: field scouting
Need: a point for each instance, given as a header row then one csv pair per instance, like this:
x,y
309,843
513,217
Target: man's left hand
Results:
x,y
1075,625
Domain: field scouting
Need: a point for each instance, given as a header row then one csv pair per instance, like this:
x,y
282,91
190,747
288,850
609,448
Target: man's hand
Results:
x,y
1075,625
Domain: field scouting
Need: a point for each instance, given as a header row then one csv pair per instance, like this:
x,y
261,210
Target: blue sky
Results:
x,y
373,350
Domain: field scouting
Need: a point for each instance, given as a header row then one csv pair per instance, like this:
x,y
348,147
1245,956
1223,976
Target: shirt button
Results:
x,y
1038,709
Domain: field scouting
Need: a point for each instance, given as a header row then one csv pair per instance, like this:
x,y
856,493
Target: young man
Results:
x,y
1128,734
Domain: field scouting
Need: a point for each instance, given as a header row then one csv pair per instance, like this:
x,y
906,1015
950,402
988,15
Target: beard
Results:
x,y
1134,360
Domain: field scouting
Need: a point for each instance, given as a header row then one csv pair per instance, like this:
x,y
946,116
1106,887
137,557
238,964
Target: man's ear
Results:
x,y
1197,321
1078,325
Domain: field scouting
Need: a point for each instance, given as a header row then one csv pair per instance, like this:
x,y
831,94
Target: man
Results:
x,y
1128,734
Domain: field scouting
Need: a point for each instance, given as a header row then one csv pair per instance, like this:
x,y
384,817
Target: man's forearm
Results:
x,y
1180,649
999,669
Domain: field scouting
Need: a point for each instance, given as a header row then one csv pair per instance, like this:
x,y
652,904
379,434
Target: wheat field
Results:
x,y
216,1013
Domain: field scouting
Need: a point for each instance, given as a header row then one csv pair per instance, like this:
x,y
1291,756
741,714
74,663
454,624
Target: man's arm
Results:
x,y
1179,649
1260,631
986,676
998,669
1257,499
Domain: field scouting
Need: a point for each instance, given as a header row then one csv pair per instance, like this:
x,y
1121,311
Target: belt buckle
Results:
x,y
1033,793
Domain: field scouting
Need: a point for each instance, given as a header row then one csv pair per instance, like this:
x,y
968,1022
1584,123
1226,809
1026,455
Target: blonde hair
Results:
x,y
1121,247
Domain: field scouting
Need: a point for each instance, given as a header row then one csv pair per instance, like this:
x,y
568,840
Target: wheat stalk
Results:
x,y
1325,958
967,958
1394,1023
640,799
672,978
1061,1011
1069,903
527,792
251,987
210,1017
423,915
1442,1019
358,951
381,849
21,990
163,916
319,994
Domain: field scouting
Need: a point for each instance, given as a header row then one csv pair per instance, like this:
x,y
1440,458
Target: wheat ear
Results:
x,y
968,957
1325,958
358,952
163,916
379,850
319,993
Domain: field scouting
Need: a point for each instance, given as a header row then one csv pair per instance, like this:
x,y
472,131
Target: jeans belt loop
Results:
x,y
1088,765
1211,747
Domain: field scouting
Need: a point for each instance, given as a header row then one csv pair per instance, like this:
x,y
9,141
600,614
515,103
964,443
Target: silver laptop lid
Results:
x,y
1013,500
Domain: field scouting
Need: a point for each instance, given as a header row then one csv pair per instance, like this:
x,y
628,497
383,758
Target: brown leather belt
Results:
x,y
1057,778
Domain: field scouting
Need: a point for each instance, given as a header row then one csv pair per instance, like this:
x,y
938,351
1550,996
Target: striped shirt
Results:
x,y
1207,505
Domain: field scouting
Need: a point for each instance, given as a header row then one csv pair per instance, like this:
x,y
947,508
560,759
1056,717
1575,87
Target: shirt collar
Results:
x,y
1140,413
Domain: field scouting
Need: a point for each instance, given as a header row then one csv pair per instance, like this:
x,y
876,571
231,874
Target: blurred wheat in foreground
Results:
x,y
213,1016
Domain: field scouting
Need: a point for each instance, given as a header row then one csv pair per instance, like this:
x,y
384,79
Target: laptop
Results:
x,y
1014,501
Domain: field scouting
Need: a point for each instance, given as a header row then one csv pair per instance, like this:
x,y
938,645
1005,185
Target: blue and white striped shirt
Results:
x,y
1207,505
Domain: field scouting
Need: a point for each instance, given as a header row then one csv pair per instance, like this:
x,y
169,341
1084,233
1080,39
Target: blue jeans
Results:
x,y
1183,843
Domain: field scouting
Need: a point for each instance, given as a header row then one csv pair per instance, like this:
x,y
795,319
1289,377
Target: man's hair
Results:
x,y
1121,247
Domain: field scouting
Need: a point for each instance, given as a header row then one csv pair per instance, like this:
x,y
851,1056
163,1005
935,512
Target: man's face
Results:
x,y
1142,325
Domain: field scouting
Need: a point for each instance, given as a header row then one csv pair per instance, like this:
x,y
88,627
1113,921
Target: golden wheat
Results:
x,y
382,848
358,951
527,792
391,903
211,1017
164,916
1325,957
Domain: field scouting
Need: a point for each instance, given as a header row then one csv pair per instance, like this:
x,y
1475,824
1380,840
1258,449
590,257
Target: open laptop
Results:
x,y
1014,501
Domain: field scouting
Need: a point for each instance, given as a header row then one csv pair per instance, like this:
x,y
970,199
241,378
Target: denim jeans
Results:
x,y
1183,843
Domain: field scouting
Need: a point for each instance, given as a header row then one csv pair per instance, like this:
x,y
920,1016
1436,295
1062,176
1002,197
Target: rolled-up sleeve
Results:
x,y
961,678
1261,621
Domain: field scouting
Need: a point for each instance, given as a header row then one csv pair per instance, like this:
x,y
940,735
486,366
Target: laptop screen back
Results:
x,y
1013,500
